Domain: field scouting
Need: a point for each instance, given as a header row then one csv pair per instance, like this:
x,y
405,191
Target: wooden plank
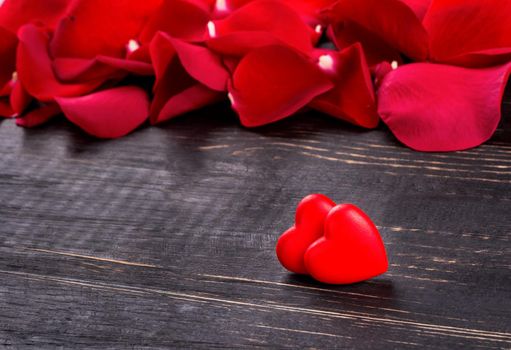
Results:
x,y
165,238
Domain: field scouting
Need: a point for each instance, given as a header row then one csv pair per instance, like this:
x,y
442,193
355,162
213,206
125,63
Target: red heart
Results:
x,y
309,223
350,251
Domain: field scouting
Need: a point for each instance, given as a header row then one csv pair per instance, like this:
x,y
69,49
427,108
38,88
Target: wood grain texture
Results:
x,y
165,238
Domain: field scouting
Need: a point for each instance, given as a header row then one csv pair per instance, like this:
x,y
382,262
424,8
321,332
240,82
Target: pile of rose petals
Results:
x,y
433,70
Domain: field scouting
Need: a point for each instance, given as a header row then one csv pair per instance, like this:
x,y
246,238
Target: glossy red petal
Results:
x,y
108,114
420,7
432,107
274,82
202,64
35,71
162,53
15,13
182,19
38,116
99,27
260,23
99,68
344,34
470,32
311,10
175,90
352,98
392,20
19,98
190,99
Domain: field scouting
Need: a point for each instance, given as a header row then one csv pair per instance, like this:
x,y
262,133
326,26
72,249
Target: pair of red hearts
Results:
x,y
334,244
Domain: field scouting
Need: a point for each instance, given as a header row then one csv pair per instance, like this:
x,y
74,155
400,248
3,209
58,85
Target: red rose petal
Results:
x,y
99,27
391,20
344,34
274,82
260,23
108,114
35,68
162,52
8,43
433,107
38,116
190,99
352,98
202,64
470,32
99,68
420,7
182,19
310,10
175,90
6,110
19,98
15,13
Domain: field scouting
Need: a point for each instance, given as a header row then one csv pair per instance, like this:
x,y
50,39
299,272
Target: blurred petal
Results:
x,y
35,68
15,13
190,99
420,7
274,82
391,20
470,32
99,27
175,90
202,64
433,107
260,23
99,68
182,19
344,34
352,98
108,114
8,43
39,115
19,98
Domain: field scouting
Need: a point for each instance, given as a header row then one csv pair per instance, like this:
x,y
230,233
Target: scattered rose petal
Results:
x,y
261,23
190,99
175,91
431,107
99,68
15,13
38,116
19,99
390,20
108,114
344,34
274,82
99,27
202,64
182,19
420,7
35,68
470,32
352,98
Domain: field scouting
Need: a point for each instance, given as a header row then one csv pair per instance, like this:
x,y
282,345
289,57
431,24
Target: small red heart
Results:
x,y
309,223
350,251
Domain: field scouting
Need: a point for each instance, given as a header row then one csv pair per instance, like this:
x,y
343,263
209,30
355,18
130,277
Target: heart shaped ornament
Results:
x,y
309,223
351,249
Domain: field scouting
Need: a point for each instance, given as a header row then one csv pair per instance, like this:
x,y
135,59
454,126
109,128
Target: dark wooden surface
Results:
x,y
165,238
